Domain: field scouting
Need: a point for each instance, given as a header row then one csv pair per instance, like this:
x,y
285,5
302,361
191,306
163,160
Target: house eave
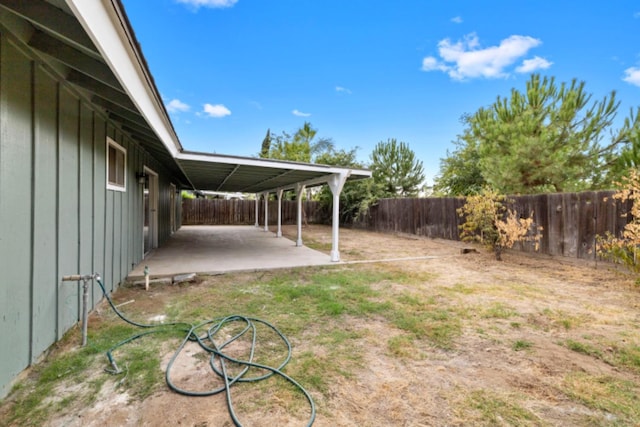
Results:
x,y
108,27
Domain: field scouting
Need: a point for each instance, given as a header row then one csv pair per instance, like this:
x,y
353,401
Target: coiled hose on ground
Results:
x,y
218,359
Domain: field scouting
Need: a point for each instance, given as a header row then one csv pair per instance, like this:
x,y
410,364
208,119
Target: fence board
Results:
x,y
586,225
541,218
555,229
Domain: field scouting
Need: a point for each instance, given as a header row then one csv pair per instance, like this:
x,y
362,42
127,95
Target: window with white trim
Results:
x,y
116,166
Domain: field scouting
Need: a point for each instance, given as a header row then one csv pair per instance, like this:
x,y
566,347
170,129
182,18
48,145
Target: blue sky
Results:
x,y
364,71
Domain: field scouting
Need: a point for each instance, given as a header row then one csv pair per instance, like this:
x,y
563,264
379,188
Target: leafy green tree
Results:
x,y
284,147
550,138
306,135
396,170
356,196
629,157
299,147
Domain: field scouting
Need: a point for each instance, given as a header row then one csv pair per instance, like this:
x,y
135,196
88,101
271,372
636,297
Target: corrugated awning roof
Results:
x,y
252,175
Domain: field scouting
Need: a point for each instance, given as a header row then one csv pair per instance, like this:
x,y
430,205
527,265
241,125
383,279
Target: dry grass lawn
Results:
x,y
407,332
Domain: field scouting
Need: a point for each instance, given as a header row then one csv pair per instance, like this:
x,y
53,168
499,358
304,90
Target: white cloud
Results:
x,y
536,63
177,106
208,3
216,111
300,113
430,64
456,20
343,90
466,59
632,75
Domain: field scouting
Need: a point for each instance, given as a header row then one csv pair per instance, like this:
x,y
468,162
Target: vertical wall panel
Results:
x,y
134,210
15,210
109,230
85,198
99,200
68,209
117,229
108,240
163,207
125,215
117,237
45,280
133,184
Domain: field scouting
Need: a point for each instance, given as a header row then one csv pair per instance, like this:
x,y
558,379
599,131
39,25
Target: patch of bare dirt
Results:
x,y
535,300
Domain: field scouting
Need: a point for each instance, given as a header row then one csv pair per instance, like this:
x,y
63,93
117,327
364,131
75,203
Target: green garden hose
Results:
x,y
217,359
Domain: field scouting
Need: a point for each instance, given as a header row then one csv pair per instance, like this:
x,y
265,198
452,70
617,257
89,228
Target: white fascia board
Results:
x,y
269,163
107,29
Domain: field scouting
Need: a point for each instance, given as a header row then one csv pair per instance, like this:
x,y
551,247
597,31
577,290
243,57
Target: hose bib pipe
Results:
x,y
85,298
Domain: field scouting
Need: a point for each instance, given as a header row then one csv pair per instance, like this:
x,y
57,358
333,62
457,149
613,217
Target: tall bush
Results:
x,y
489,222
624,249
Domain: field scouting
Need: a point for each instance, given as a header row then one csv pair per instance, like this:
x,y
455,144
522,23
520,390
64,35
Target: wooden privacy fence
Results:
x,y
570,221
238,212
430,217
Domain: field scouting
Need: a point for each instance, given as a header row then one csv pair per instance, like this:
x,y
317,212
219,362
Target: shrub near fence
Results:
x,y
570,221
243,212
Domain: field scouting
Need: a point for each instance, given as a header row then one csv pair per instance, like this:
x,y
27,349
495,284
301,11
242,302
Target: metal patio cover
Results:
x,y
250,175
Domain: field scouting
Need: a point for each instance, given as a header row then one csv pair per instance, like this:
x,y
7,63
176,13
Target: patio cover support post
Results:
x,y
336,182
299,190
266,211
279,193
257,210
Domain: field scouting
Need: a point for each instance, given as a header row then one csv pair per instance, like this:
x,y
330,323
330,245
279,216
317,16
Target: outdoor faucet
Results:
x,y
85,297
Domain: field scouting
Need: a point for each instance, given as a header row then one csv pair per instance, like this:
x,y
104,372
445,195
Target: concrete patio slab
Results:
x,y
207,249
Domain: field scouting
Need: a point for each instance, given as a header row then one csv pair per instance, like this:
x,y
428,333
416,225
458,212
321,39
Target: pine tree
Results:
x,y
549,138
396,170
266,145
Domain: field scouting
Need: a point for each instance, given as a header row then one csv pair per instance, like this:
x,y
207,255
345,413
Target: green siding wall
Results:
x,y
56,215
15,210
45,190
85,195
99,197
68,250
